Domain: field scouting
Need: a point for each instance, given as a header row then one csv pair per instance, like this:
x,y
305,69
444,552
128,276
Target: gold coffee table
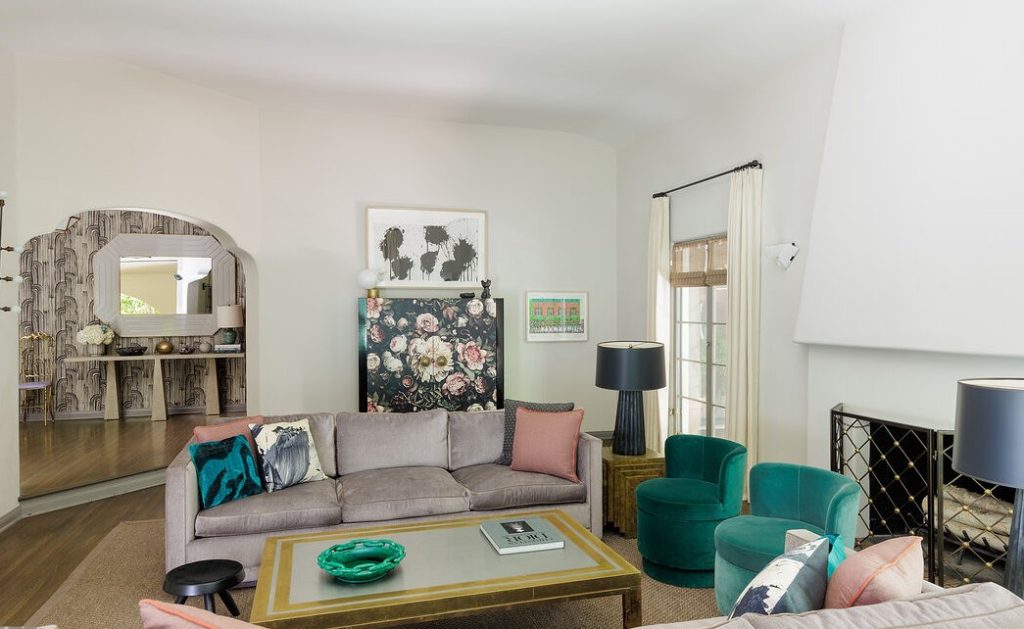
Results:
x,y
449,570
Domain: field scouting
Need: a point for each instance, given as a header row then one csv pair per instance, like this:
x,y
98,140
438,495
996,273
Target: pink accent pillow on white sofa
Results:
x,y
158,615
546,442
889,571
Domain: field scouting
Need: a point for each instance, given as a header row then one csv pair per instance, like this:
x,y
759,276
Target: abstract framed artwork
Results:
x,y
422,248
556,316
419,354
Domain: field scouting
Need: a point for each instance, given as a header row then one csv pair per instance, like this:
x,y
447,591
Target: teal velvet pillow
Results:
x,y
226,470
837,554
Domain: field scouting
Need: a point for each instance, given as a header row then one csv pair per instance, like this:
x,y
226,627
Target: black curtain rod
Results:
x,y
753,164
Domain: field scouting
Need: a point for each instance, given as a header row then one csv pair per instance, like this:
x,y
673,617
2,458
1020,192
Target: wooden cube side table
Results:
x,y
621,474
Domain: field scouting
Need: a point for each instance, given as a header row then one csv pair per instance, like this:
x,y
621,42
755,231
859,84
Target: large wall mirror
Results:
x,y
162,285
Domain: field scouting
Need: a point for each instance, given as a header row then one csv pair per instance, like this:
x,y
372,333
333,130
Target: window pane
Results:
x,y
721,350
692,381
721,297
693,302
718,375
693,341
718,417
692,417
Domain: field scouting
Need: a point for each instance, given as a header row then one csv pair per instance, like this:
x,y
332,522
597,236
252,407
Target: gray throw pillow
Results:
x,y
510,421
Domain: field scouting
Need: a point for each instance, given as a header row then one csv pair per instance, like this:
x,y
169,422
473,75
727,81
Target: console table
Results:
x,y
112,396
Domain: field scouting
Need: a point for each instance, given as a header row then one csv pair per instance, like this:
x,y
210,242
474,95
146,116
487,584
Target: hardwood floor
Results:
x,y
73,453
41,551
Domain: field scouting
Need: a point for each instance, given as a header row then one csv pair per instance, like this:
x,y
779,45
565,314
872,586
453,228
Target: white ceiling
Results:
x,y
609,69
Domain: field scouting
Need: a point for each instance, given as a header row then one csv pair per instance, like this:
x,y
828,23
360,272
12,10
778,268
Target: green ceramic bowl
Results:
x,y
361,560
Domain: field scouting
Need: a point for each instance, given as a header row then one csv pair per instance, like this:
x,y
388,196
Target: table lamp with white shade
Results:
x,y
229,318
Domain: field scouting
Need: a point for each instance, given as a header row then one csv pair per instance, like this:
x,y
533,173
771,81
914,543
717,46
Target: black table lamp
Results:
x,y
989,445
630,367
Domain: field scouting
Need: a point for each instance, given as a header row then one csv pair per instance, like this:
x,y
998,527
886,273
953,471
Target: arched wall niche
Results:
x,y
56,296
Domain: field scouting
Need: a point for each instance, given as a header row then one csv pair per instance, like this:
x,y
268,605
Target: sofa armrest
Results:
x,y
588,468
181,506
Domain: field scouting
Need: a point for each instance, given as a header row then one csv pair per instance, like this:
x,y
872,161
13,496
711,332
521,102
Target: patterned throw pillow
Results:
x,y
287,454
793,582
511,406
225,470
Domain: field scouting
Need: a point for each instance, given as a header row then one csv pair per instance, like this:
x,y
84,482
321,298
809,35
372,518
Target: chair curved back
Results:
x,y
709,459
810,494
36,357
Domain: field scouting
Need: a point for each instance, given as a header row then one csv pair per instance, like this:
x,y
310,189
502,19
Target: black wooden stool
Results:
x,y
206,578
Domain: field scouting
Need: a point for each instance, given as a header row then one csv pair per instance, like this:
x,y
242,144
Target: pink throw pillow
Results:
x,y
889,571
546,442
157,615
220,432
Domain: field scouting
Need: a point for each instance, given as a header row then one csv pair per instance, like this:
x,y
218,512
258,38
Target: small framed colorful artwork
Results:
x,y
556,316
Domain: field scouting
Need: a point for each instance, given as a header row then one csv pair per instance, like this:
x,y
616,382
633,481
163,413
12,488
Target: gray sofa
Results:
x,y
381,467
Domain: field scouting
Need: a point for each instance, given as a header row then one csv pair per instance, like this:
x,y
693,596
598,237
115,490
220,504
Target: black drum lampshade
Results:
x,y
630,367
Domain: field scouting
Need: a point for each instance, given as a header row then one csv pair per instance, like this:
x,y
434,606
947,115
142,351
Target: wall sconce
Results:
x,y
783,253
368,278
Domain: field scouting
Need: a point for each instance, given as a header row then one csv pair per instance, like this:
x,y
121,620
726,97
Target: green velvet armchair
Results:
x,y
677,515
782,497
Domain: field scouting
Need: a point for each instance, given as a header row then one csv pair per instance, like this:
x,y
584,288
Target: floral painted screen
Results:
x,y
420,354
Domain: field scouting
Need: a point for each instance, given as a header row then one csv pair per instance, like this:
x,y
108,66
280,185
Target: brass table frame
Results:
x,y
612,576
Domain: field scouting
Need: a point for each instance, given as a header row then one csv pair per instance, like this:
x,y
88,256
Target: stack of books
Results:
x,y
521,536
228,349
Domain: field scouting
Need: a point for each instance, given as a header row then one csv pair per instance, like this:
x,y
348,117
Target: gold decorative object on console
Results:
x,y
164,347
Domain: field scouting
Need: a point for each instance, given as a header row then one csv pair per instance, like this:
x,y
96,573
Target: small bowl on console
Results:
x,y
131,350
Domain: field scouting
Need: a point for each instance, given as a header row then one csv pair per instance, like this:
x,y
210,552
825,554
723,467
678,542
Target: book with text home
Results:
x,y
521,536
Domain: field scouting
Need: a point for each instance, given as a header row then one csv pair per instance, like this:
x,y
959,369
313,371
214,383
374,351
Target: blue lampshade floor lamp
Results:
x,y
630,367
989,445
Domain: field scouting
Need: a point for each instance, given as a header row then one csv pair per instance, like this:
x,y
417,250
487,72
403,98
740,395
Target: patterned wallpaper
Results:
x,y
57,298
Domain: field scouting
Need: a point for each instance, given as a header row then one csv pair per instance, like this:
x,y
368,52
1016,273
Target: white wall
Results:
x,y
550,203
9,473
781,121
916,242
289,187
918,221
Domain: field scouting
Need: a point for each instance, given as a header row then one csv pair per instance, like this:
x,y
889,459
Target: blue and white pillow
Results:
x,y
793,582
287,454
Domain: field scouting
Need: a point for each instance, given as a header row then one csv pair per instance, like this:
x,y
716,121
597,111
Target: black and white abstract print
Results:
x,y
793,582
427,248
287,454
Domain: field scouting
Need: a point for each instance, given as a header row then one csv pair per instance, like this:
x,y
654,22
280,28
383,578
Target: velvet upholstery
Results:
x,y
475,437
369,441
783,496
399,492
493,486
677,515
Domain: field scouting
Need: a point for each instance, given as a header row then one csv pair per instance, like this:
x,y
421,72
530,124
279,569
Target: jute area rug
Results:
x,y
128,565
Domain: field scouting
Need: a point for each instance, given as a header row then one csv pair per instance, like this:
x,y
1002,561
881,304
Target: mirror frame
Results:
x,y
107,283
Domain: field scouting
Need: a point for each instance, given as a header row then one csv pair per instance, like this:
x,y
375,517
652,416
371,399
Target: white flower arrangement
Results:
x,y
95,334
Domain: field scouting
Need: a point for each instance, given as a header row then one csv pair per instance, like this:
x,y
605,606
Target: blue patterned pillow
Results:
x,y
226,471
793,582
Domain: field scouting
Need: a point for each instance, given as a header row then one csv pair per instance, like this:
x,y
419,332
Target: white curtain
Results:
x,y
659,318
744,319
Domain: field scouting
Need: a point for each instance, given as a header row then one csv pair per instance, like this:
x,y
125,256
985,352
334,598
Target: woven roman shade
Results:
x,y
700,262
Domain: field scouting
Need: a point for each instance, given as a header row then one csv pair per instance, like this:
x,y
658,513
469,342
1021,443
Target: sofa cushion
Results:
x,y
161,615
368,441
299,506
752,542
288,454
399,492
493,486
888,571
792,583
511,408
681,498
220,432
475,438
322,427
225,470
546,442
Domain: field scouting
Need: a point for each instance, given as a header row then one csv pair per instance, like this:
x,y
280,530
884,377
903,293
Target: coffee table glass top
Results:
x,y
444,560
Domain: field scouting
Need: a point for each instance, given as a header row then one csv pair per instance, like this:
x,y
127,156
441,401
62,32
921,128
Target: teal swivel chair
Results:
x,y
677,515
782,497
